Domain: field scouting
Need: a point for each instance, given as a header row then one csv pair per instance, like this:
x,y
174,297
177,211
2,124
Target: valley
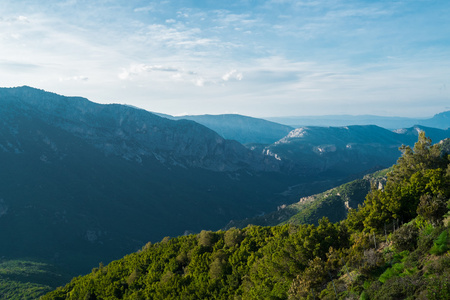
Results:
x,y
84,183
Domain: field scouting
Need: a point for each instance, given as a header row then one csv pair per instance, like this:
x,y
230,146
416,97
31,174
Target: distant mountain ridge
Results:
x,y
253,132
244,129
441,121
314,150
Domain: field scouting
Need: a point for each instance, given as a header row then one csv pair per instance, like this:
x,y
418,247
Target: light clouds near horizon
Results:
x,y
257,58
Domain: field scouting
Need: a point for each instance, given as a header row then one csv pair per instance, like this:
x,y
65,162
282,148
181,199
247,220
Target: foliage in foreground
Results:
x,y
394,246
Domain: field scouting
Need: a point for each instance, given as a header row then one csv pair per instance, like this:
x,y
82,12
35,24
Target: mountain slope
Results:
x,y
413,132
132,133
245,130
338,151
83,182
333,204
354,259
441,120
344,151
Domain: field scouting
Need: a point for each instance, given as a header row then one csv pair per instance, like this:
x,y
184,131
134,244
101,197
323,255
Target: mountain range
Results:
x,y
244,129
345,151
83,182
255,132
440,120
395,245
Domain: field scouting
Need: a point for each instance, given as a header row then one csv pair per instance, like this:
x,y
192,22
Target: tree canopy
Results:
x,y
394,246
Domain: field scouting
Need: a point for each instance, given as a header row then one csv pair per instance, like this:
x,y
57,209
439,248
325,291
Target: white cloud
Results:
x,y
180,36
74,78
14,19
296,55
199,82
147,8
138,69
233,74
163,74
22,19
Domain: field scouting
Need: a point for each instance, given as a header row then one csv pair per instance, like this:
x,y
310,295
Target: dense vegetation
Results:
x,y
27,279
333,204
394,246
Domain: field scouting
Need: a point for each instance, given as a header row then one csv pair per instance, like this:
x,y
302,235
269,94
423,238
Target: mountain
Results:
x,y
133,133
333,204
336,202
344,151
245,130
394,246
338,151
346,120
441,121
83,182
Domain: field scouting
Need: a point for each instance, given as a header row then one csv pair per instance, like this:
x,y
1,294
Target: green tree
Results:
x,y
418,172
424,155
432,208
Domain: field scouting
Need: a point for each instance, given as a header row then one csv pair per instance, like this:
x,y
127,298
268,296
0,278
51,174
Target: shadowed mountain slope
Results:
x,y
82,182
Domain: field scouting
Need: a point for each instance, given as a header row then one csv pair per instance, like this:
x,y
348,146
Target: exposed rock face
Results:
x,y
338,150
133,133
411,134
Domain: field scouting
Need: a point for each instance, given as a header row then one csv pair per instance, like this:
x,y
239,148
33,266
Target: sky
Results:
x,y
257,58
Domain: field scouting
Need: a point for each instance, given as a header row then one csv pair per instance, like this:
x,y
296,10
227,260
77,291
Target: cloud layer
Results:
x,y
272,58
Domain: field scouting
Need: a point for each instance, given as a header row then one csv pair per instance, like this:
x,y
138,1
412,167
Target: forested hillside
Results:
x,y
394,246
333,204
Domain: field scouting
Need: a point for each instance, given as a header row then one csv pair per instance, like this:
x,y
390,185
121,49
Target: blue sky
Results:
x,y
257,58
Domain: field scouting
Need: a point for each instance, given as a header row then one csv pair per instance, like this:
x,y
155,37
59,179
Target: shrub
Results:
x,y
426,238
439,287
206,238
399,287
440,245
432,208
405,238
396,270
233,237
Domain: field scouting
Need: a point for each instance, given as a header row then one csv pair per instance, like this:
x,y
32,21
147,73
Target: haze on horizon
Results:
x,y
256,58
